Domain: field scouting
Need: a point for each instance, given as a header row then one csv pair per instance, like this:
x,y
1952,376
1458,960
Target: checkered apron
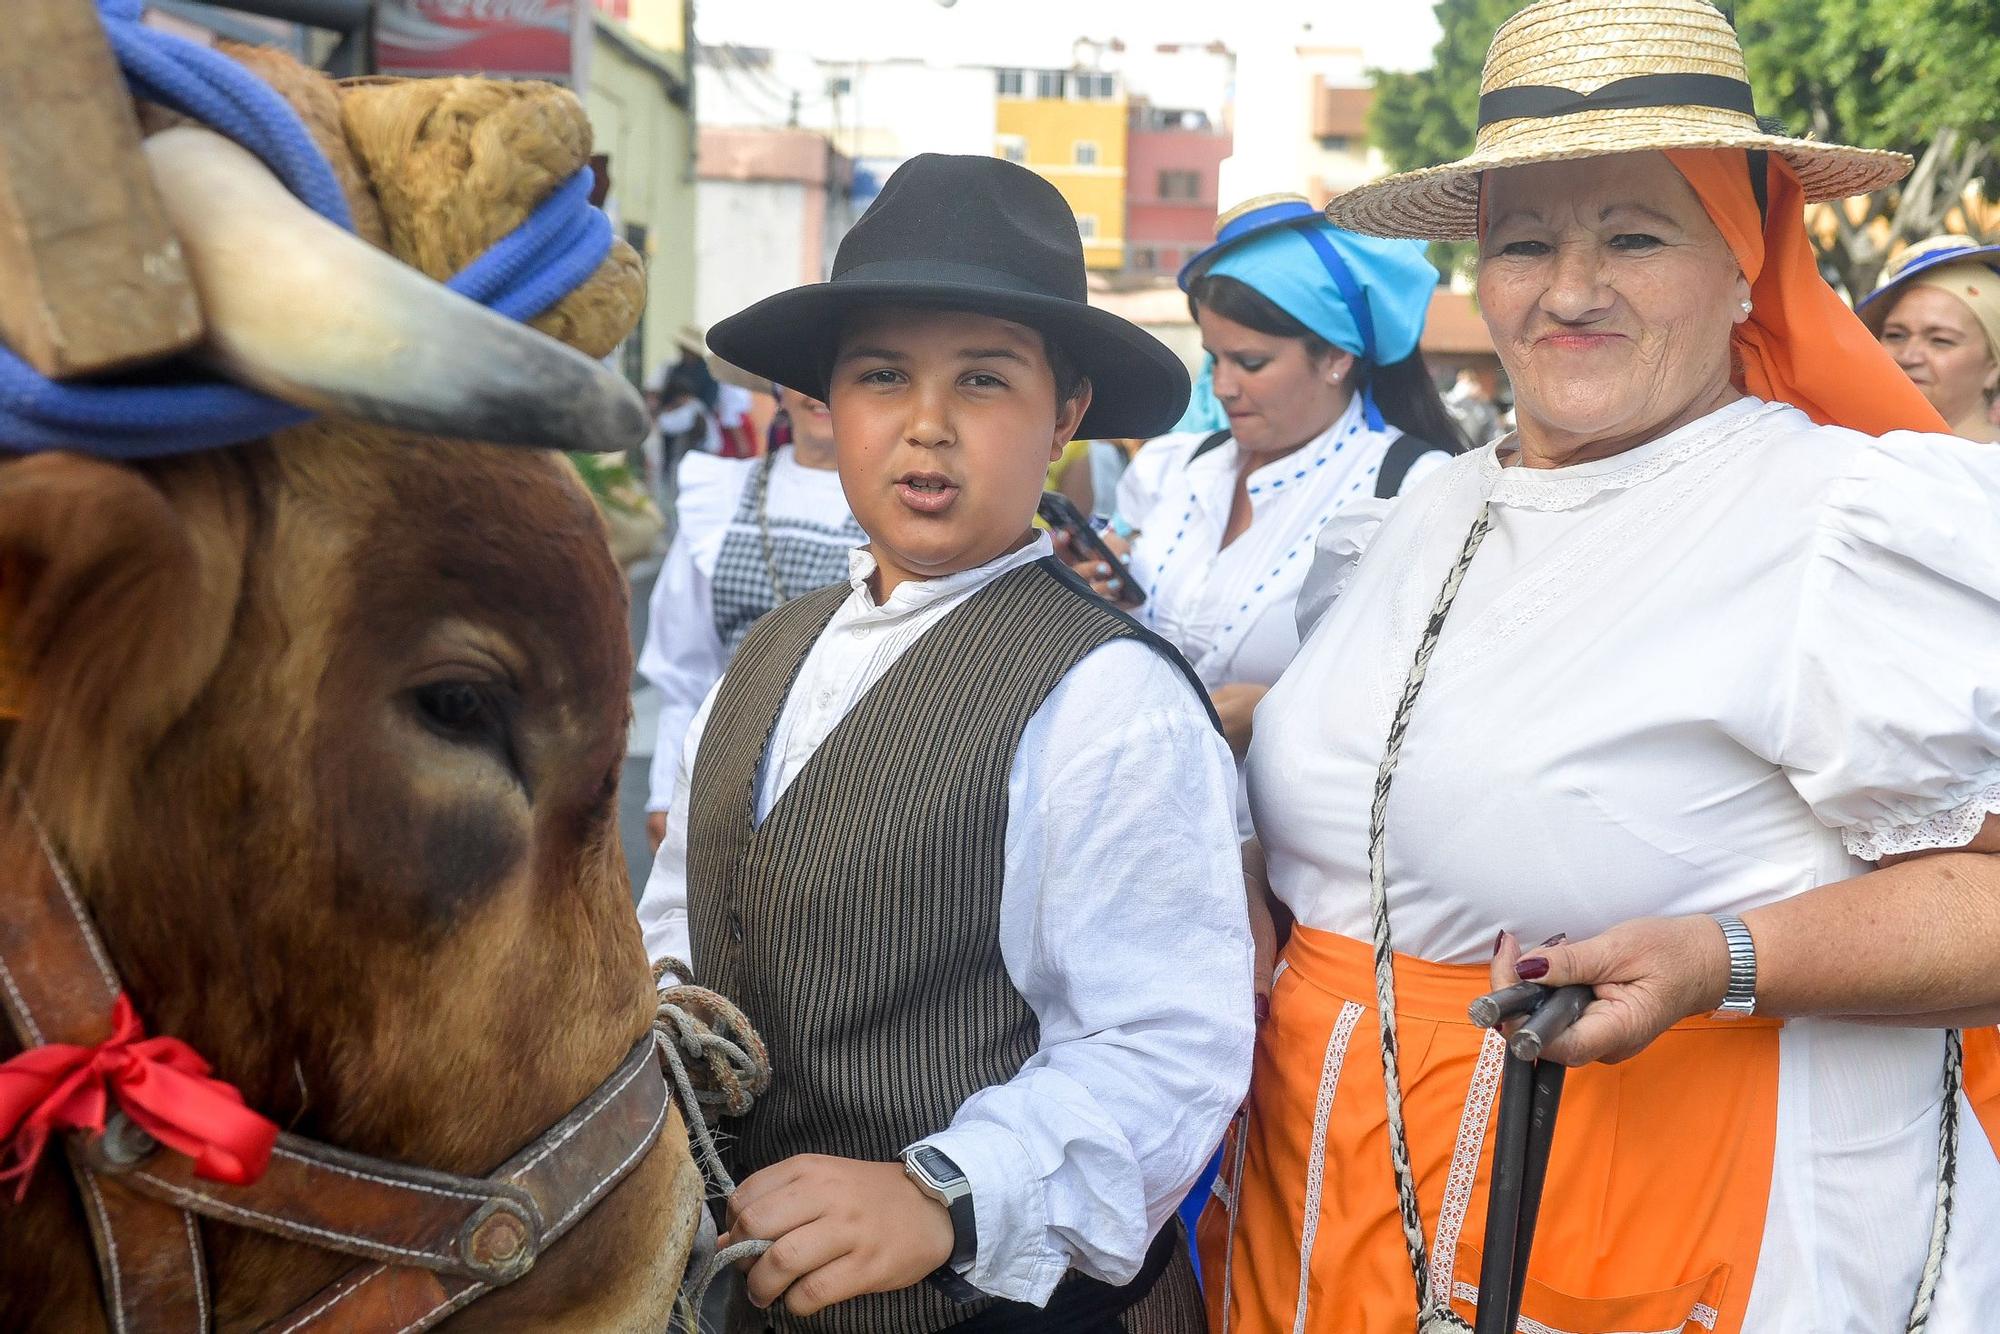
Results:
x,y
769,558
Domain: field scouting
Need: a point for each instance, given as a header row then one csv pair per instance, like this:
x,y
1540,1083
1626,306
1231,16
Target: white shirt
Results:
x,y
1122,925
1698,676
683,654
676,420
1230,609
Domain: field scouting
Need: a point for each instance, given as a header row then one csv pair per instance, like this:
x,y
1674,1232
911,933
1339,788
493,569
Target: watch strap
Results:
x,y
940,1178
1740,1000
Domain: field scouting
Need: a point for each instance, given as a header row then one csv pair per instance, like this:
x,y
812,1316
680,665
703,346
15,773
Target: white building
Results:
x,y
771,207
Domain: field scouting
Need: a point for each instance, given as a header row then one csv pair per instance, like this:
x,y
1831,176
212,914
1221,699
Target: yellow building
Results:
x,y
1068,127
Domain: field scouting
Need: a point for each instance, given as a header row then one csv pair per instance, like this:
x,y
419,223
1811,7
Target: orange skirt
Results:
x,y
1982,1078
1658,1179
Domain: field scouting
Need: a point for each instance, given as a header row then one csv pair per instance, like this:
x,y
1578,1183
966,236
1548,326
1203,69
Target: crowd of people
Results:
x,y
1082,880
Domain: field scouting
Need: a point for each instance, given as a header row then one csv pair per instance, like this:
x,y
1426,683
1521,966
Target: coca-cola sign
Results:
x,y
531,39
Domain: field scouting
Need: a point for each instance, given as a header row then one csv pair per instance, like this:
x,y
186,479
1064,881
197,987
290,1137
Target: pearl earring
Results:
x,y
1745,304
1336,377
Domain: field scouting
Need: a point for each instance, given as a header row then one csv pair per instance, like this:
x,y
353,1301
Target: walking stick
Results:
x,y
1530,1093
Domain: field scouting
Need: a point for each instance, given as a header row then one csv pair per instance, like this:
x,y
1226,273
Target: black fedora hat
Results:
x,y
966,233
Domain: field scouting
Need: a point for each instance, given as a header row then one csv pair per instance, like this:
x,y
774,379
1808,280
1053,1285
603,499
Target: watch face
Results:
x,y
941,1170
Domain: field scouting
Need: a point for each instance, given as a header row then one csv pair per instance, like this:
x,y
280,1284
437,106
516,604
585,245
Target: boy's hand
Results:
x,y
839,1228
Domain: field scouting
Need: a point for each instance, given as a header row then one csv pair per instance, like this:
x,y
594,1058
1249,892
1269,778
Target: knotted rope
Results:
x,y
552,252
695,1024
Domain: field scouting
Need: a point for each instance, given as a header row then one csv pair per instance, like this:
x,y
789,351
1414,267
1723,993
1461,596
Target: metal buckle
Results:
x,y
499,1242
122,1146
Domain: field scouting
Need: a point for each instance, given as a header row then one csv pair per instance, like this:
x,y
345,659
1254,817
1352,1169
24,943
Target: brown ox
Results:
x,y
328,729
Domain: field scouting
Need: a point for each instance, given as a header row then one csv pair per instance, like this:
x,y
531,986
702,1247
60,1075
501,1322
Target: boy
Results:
x,y
957,835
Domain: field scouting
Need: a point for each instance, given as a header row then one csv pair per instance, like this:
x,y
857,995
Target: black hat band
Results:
x,y
1541,102
947,272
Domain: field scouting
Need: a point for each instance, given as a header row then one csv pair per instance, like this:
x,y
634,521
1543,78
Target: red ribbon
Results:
x,y
161,1083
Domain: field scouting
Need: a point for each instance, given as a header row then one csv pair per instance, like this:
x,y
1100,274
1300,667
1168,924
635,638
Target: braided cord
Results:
x,y
1428,1317
1954,1081
763,485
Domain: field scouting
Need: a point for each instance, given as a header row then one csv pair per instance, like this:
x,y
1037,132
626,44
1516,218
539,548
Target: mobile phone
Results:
x,y
1060,512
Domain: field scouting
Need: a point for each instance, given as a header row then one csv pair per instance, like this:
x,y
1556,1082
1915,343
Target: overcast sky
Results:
x,y
1396,34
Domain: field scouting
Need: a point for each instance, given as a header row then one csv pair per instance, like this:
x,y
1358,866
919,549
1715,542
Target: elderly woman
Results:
x,y
1311,334
1937,310
1698,669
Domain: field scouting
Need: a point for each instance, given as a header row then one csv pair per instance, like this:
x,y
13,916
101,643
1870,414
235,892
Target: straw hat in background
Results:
x,y
1585,78
1917,259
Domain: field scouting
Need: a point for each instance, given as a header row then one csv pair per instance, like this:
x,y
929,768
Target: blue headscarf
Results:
x,y
1364,294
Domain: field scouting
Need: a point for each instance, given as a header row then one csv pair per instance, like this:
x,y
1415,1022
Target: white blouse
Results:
x,y
1703,675
683,654
1230,609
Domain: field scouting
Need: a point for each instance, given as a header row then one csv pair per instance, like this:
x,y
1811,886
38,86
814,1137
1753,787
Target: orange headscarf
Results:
x,y
1801,344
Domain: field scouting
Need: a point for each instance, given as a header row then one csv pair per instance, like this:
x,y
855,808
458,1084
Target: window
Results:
x,y
1092,87
1086,153
1180,185
1086,226
1010,82
1049,83
1013,147
1334,143
1142,259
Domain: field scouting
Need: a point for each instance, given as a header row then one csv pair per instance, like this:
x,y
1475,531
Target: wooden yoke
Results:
x,y
91,278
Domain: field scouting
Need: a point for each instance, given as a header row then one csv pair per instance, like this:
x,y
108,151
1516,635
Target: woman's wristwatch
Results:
x,y
1740,1000
937,1176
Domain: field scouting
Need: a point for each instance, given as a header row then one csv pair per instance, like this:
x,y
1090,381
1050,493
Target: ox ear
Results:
x,y
109,589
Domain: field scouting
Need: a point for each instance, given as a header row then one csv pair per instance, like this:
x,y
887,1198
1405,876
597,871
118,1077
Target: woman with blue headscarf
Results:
x,y
1317,399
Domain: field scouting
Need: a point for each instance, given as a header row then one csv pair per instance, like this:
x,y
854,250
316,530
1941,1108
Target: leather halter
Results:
x,y
426,1243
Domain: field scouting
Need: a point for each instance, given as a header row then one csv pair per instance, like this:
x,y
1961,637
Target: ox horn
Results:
x,y
313,315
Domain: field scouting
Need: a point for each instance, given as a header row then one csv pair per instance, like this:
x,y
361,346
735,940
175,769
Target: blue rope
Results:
x,y
1357,302
554,250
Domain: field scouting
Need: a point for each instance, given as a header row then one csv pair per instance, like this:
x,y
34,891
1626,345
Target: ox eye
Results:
x,y
460,710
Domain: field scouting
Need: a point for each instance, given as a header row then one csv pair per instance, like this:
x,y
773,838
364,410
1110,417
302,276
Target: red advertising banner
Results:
x,y
529,39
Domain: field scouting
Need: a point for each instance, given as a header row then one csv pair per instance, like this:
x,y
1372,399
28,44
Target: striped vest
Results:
x,y
858,927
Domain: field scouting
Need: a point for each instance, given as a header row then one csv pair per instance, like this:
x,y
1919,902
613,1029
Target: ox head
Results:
x,y
328,728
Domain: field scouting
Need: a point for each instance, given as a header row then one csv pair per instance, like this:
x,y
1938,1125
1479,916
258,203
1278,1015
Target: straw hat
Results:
x,y
1918,257
1258,214
1585,78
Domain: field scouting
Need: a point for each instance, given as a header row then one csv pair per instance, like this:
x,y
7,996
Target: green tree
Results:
x,y
1921,76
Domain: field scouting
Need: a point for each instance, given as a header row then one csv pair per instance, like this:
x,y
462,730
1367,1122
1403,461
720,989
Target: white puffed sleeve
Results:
x,y
1139,486
1336,552
1891,717
683,655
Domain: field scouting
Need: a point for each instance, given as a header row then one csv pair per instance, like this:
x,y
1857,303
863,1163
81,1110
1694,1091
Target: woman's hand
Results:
x,y
1093,571
1234,703
1649,974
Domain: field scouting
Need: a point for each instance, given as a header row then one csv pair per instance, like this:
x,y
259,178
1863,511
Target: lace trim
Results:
x,y
1701,1314
1479,1096
1329,1076
1947,829
1532,489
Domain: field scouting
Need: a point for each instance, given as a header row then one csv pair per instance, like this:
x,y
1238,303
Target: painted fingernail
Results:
x,y
1114,583
1530,969
1102,568
1498,941
1263,1008
1557,939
